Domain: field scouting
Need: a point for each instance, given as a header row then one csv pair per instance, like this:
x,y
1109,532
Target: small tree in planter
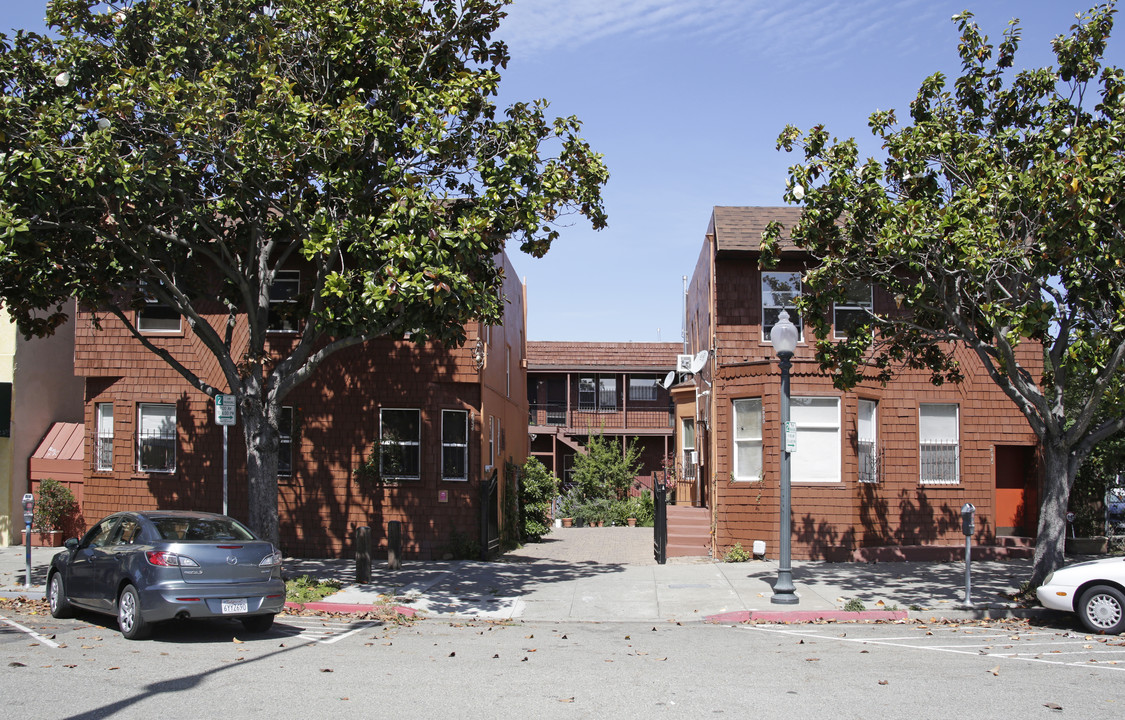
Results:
x,y
55,507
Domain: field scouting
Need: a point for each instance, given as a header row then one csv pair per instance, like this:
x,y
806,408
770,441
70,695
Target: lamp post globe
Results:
x,y
783,335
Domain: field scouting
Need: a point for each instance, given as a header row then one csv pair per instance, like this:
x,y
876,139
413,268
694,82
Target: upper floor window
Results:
x,y
283,298
939,444
779,291
597,392
852,310
642,388
157,316
156,437
747,439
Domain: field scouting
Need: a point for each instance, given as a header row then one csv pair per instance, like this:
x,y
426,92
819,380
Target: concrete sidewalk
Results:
x,y
608,574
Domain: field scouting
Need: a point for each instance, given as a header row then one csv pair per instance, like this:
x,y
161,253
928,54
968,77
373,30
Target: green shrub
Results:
x,y
736,554
55,506
855,605
538,487
305,589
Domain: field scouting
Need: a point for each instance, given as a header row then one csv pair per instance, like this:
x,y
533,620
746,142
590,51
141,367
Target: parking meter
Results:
x,y
967,513
967,527
28,513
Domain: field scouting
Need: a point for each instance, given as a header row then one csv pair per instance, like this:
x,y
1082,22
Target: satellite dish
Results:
x,y
669,379
698,362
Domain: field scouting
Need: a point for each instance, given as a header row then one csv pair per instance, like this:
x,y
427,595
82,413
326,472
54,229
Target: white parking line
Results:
x,y
329,632
973,650
29,631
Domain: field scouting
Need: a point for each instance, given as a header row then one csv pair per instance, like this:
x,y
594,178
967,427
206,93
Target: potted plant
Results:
x,y
55,512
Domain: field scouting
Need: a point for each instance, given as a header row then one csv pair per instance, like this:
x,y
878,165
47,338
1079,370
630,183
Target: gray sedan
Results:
x,y
146,567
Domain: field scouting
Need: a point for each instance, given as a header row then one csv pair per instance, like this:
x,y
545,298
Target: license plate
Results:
x,y
234,606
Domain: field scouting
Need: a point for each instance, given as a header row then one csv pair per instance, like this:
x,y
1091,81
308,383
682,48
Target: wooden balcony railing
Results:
x,y
557,414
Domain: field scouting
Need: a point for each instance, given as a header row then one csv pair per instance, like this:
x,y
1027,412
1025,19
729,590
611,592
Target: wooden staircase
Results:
x,y
689,531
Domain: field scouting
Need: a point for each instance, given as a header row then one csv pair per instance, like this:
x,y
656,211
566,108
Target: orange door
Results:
x,y
1017,507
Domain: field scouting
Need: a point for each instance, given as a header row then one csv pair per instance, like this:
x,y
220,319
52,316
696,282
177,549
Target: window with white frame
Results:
x,y
866,436
939,444
747,439
104,451
852,311
454,445
157,316
817,456
156,437
642,387
283,298
400,437
687,447
285,441
779,291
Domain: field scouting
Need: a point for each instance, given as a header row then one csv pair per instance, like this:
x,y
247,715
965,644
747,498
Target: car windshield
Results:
x,y
201,529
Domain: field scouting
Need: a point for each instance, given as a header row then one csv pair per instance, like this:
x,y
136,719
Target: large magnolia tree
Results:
x,y
995,221
185,152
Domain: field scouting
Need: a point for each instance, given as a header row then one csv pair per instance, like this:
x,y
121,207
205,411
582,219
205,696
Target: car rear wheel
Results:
x,y
56,597
257,623
129,618
1102,609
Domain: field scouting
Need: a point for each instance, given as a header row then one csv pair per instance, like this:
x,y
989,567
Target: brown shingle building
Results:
x,y
874,467
454,418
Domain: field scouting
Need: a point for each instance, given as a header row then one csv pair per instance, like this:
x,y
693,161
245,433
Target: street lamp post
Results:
x,y
784,339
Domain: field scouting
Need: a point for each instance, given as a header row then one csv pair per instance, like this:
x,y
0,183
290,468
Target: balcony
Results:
x,y
591,420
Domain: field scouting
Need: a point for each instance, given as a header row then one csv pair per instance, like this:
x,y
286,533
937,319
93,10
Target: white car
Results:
x,y
1095,590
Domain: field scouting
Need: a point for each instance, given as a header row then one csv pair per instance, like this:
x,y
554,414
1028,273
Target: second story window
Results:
x,y
852,310
597,392
642,388
779,291
157,316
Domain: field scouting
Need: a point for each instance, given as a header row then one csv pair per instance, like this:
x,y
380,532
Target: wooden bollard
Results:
x,y
363,554
394,545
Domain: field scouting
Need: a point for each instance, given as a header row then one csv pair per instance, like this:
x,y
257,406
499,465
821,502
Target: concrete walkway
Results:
x,y
608,574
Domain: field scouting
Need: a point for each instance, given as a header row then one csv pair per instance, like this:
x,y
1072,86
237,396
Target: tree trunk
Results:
x,y
1057,482
262,442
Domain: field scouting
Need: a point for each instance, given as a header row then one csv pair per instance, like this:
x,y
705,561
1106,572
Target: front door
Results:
x,y
1017,499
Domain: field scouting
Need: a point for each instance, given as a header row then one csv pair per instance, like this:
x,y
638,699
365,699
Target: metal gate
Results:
x,y
660,522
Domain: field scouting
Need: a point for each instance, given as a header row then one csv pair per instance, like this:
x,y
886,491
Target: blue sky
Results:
x,y
685,98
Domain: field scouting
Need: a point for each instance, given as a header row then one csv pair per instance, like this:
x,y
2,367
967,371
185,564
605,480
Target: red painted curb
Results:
x,y
804,616
345,608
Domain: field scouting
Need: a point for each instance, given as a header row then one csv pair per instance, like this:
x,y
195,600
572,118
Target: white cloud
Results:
x,y
813,30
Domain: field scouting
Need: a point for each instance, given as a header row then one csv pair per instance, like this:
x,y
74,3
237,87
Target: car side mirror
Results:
x,y
70,544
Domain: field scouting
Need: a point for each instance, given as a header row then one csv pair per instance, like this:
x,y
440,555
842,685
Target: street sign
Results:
x,y
790,436
226,409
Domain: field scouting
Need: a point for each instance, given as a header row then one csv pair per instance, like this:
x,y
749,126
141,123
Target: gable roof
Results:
x,y
740,228
599,356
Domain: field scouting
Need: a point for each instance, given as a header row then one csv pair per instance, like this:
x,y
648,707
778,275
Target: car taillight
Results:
x,y
274,558
161,558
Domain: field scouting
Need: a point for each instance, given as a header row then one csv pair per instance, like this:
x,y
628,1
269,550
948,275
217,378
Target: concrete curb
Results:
x,y
346,608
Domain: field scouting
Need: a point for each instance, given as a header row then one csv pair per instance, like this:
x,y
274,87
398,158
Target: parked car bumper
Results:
x,y
182,600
